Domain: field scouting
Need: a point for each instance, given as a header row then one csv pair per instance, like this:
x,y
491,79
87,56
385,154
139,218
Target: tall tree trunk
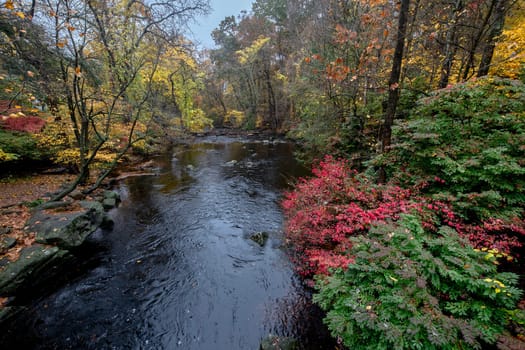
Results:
x,y
451,45
393,83
494,33
477,40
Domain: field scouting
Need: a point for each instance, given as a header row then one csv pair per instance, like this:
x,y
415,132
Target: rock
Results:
x,y
67,230
77,195
6,243
9,312
112,194
5,230
4,262
260,238
107,223
34,263
54,205
109,203
274,342
111,200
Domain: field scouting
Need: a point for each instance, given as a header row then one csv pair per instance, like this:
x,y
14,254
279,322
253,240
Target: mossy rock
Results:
x,y
35,262
67,230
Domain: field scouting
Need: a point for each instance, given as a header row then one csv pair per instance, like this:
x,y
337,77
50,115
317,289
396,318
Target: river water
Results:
x,y
179,270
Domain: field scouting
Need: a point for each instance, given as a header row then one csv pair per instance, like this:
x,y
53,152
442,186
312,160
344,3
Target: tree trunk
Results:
x,y
477,40
393,83
451,46
494,33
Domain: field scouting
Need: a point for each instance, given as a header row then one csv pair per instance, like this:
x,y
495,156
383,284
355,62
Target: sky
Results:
x,y
204,25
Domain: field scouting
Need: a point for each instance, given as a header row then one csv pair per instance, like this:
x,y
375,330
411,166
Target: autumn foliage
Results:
x,y
24,124
337,203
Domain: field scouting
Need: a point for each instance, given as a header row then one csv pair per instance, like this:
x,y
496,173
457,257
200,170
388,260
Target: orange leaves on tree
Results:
x,y
337,71
344,35
315,57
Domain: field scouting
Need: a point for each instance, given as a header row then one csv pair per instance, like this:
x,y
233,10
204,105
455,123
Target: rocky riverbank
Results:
x,y
38,246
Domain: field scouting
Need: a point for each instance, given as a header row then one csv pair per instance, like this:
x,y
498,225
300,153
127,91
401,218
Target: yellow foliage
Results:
x,y
234,118
4,157
70,156
9,5
509,55
248,54
197,121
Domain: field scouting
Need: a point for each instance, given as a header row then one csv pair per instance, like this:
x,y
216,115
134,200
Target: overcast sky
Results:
x,y
203,26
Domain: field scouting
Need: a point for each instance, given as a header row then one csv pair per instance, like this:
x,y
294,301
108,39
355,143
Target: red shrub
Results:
x,y
24,124
337,203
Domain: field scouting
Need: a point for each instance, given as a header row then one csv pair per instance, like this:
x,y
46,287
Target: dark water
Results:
x,y
179,270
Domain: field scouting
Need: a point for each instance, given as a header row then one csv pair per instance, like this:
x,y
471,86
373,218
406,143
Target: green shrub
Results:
x,y
411,289
19,146
466,143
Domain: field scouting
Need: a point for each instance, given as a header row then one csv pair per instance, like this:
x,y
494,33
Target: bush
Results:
x,y
470,137
409,288
323,211
24,124
19,146
337,203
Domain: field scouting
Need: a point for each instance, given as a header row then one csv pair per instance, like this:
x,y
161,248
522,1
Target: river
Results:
x,y
179,270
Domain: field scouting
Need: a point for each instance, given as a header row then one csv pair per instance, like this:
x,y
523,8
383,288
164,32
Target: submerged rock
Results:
x,y
260,238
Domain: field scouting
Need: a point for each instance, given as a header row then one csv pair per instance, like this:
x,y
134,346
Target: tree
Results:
x,y
108,53
500,9
393,83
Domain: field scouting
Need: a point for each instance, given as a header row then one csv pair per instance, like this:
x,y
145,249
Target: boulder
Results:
x,y
67,230
6,243
30,269
111,200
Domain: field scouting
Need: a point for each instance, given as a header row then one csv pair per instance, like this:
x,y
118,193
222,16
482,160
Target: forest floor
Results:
x,y
27,189
17,196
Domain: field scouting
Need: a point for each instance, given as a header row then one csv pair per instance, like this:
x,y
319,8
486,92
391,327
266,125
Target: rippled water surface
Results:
x,y
179,270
